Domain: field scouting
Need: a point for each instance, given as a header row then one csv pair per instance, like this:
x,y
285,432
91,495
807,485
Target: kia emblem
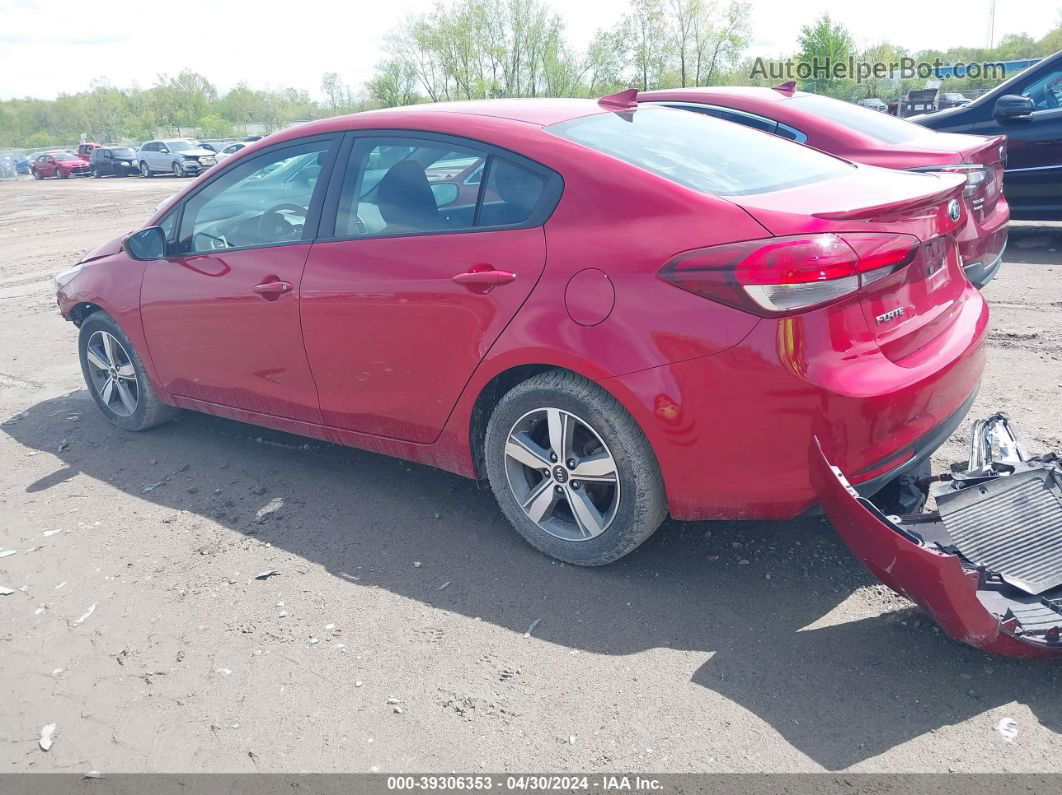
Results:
x,y
953,210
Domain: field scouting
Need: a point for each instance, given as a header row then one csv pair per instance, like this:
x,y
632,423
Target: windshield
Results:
x,y
881,126
123,152
700,152
181,146
65,156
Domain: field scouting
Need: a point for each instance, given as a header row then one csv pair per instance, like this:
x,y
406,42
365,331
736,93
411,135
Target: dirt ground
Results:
x,y
394,636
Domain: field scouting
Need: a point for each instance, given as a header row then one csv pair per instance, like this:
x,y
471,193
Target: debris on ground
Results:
x,y
46,737
444,586
5,591
531,628
5,552
1008,729
269,509
86,614
417,564
62,446
265,575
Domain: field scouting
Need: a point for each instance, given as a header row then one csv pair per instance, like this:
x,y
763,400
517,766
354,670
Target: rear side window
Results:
x,y
700,152
876,124
404,185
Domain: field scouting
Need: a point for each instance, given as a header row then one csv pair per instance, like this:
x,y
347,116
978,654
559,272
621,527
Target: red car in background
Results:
x,y
59,164
878,139
642,311
84,151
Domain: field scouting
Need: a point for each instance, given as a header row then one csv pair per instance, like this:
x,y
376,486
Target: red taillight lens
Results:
x,y
789,274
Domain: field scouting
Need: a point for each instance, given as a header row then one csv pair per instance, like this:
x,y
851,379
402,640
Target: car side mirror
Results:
x,y
147,244
1013,106
164,150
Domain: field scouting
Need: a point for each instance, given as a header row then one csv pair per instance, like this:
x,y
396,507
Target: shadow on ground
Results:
x,y
840,694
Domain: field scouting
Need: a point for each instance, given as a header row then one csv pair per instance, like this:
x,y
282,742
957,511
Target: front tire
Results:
x,y
144,170
116,377
37,175
60,173
572,471
178,169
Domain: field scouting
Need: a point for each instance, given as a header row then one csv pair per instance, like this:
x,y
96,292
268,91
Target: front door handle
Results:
x,y
484,277
273,289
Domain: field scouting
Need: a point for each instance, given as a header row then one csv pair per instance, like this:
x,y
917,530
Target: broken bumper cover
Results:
x,y
986,565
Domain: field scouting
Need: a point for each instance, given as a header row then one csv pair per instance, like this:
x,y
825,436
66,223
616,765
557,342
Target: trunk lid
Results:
x,y
907,308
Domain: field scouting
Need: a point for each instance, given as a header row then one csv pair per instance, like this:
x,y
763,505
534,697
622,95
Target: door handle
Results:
x,y
484,277
273,289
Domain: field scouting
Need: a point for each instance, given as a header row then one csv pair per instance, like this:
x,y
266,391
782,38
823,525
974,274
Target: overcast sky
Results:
x,y
53,46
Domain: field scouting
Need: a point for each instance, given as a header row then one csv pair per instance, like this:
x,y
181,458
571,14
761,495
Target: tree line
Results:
x,y
478,49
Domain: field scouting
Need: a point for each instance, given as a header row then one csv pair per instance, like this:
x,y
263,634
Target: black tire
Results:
x,y
60,173
641,495
144,170
178,170
37,175
150,411
95,172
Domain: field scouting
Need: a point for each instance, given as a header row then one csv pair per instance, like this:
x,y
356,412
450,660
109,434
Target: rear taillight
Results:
x,y
789,274
981,181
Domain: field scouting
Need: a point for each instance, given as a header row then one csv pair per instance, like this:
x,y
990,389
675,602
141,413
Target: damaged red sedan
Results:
x,y
616,313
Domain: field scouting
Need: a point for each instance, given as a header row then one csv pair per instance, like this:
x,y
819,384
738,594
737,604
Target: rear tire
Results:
x,y
584,522
116,377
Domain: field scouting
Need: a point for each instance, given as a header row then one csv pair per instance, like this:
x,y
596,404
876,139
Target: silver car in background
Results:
x,y
178,156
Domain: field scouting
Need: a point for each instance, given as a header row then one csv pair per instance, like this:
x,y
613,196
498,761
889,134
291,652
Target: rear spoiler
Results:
x,y
891,208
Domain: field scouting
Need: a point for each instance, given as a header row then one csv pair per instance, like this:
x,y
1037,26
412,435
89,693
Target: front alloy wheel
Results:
x,y
178,169
562,474
112,373
144,170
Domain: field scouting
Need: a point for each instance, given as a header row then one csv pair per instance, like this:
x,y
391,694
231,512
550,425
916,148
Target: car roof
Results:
x,y
537,112
752,92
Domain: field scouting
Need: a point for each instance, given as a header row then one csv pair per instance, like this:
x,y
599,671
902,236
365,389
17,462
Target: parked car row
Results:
x,y
610,311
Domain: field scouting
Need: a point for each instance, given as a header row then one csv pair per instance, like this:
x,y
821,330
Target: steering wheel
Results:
x,y
273,227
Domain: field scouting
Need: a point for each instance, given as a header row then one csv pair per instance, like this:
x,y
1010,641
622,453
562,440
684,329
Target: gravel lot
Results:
x,y
394,636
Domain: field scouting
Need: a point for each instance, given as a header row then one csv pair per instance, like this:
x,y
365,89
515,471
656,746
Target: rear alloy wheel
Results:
x,y
116,377
178,169
144,170
572,470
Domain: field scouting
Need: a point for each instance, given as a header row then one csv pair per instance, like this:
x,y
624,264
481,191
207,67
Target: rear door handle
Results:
x,y
484,278
273,289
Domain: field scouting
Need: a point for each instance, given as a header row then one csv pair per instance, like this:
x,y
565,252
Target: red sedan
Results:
x,y
60,165
877,139
641,311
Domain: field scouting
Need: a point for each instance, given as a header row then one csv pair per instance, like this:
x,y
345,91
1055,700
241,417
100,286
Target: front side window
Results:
x,y
700,152
1046,92
261,202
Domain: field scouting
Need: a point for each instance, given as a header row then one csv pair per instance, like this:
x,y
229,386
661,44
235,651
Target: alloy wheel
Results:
x,y
112,373
178,169
145,170
562,474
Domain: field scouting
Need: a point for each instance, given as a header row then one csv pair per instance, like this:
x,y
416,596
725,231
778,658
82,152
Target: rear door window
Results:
x,y
701,152
406,185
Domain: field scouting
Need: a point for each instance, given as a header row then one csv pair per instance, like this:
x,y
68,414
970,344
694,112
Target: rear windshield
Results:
x,y
882,126
123,152
700,152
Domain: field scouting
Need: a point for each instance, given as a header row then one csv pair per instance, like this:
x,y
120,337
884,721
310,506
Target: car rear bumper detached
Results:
x,y
881,418
986,563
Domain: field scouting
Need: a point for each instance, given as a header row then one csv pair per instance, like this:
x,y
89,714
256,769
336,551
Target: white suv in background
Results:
x,y
178,156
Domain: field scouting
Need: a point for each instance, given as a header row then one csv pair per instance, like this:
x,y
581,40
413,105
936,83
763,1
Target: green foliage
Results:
x,y
474,49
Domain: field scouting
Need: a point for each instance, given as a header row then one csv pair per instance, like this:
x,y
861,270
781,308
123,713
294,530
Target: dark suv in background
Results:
x,y
1028,110
113,161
